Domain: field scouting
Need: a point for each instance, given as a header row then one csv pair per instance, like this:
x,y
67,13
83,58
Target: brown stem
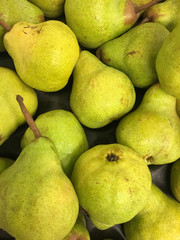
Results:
x,y
145,20
28,117
147,5
5,25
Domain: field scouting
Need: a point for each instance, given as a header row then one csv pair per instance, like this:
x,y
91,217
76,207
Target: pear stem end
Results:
x,y
5,25
138,9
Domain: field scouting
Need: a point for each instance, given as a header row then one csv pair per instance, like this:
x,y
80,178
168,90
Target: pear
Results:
x,y
67,134
47,56
37,198
153,129
10,115
112,183
5,163
12,11
168,64
79,231
158,220
135,52
100,94
51,8
96,22
175,179
178,107
166,13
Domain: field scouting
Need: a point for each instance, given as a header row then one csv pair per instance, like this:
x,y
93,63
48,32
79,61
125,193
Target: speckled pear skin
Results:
x,y
5,163
35,193
96,22
158,219
100,94
63,128
175,179
153,129
166,13
112,183
51,8
11,12
47,56
135,53
168,64
11,116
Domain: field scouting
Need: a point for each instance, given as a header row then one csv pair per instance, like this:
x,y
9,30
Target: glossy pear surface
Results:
x,y
100,94
175,179
35,193
153,129
51,8
5,163
159,219
47,56
11,12
135,53
63,128
112,183
10,115
168,64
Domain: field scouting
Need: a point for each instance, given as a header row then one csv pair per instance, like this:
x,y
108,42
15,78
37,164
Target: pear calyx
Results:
x,y
28,117
111,157
5,25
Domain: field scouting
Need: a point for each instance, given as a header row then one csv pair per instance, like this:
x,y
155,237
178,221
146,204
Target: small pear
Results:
x,y
37,198
12,11
100,94
10,115
168,64
175,179
153,129
135,53
158,220
5,163
67,134
47,56
112,183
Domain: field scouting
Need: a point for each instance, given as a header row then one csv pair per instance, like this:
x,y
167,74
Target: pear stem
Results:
x,y
28,117
147,5
5,25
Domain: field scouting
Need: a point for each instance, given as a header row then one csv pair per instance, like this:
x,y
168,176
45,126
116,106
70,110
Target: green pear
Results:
x,y
166,13
47,56
135,52
63,128
13,11
96,22
178,107
153,129
37,198
112,183
51,8
175,179
79,231
100,94
158,220
10,115
168,64
5,163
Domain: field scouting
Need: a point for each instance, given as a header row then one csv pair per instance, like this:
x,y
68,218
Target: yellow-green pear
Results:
x,y
44,54
10,115
153,129
100,94
5,163
175,179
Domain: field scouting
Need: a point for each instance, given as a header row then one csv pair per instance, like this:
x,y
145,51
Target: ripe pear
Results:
x,y
168,64
63,128
12,11
51,8
175,179
5,163
37,198
158,220
135,53
100,94
96,22
112,183
153,129
10,115
47,56
166,13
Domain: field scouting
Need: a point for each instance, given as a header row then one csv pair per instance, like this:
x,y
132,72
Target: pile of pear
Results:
x,y
107,51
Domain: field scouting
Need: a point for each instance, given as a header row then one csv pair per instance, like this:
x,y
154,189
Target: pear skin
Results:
x,y
5,163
